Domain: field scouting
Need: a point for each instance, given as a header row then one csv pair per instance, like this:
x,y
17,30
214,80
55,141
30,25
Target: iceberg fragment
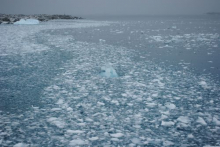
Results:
x,y
108,71
20,145
27,21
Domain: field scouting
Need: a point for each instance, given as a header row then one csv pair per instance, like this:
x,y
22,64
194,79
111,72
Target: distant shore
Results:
x,y
11,18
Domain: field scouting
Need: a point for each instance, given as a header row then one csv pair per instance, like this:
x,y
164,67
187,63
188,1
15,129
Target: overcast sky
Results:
x,y
109,7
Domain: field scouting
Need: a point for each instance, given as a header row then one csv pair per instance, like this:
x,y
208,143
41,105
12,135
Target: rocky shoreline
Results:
x,y
11,18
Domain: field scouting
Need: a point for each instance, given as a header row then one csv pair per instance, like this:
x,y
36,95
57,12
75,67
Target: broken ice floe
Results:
x,y
151,106
108,71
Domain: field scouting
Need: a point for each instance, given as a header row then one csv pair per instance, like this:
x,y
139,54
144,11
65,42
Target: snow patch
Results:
x,y
27,22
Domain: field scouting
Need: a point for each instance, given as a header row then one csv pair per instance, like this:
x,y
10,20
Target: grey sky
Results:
x,y
109,7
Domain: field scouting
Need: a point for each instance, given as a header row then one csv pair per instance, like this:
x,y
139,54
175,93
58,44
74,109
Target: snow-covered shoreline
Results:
x,y
12,18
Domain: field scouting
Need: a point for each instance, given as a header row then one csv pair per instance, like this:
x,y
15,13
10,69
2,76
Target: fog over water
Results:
x,y
106,7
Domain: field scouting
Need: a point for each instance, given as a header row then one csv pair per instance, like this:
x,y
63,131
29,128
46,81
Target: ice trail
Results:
x,y
148,104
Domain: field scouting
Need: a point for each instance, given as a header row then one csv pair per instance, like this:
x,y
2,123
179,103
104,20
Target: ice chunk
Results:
x,y
59,102
77,142
56,109
190,136
56,121
136,140
170,106
151,104
168,143
115,139
216,121
203,84
69,109
75,131
167,123
27,21
93,138
117,135
157,38
183,119
201,121
108,71
20,145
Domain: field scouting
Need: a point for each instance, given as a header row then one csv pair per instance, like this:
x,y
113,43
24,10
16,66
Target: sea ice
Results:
x,y
56,109
117,135
170,106
75,131
203,84
77,142
190,136
20,145
135,140
168,143
216,121
27,21
201,121
56,121
167,123
108,71
93,138
183,119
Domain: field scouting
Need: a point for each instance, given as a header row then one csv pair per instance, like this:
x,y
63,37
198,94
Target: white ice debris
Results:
x,y
190,136
170,106
93,111
168,143
183,119
59,102
20,145
108,71
27,21
93,138
203,84
74,132
56,121
216,121
56,109
101,40
136,140
69,109
167,123
157,38
151,104
77,142
117,135
201,121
